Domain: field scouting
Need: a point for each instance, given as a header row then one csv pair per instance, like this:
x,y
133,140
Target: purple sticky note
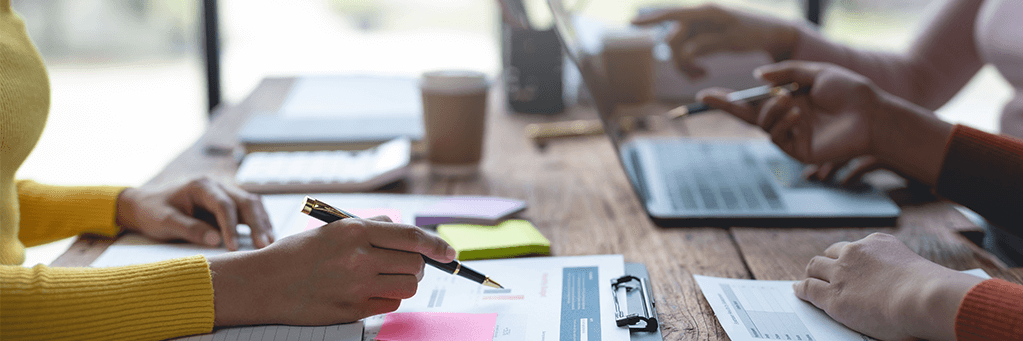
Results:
x,y
437,327
469,210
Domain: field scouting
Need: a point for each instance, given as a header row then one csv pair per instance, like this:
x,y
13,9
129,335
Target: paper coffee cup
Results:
x,y
629,63
454,112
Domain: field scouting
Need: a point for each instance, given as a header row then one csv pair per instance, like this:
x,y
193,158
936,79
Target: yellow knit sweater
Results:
x,y
152,301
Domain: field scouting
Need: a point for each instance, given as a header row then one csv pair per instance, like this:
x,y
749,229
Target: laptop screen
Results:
x,y
587,60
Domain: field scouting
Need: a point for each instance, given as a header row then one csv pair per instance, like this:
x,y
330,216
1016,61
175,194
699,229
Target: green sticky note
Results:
x,y
511,238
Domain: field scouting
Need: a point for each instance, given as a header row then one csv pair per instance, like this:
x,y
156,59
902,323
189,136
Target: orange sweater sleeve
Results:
x,y
985,173
992,310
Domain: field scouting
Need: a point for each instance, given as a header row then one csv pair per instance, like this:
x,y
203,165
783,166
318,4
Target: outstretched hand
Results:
x,y
831,124
710,29
201,211
843,117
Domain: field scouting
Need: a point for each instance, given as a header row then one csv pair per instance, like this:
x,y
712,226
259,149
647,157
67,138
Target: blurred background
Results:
x,y
129,90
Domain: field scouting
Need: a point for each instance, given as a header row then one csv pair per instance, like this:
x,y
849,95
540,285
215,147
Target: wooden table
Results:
x,y
580,199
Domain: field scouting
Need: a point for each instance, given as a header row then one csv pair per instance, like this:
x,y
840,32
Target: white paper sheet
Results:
x,y
751,310
533,305
337,332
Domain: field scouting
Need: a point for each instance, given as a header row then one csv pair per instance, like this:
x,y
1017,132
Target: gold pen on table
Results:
x,y
322,211
751,96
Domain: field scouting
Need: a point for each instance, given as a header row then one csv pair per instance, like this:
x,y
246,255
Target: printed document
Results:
x,y
337,332
752,310
544,298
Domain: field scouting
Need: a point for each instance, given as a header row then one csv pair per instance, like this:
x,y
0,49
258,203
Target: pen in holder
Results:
x,y
532,70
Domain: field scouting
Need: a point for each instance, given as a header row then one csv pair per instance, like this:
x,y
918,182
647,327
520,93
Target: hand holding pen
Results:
x,y
324,212
749,97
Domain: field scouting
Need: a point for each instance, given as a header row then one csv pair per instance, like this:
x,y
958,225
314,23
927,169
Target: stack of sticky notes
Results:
x,y
511,238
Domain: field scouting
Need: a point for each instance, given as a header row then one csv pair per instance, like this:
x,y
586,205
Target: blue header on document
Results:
x,y
580,304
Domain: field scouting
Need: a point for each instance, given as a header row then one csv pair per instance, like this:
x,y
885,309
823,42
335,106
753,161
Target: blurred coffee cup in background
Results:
x,y
454,112
629,64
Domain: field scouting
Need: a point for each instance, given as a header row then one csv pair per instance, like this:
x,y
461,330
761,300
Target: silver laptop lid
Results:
x,y
590,66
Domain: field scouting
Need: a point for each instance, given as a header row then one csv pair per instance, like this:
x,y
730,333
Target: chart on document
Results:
x,y
764,314
769,310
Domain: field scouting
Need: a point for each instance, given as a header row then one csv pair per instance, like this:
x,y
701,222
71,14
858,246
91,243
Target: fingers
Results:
x,y
210,196
682,15
789,71
253,213
812,290
718,98
702,45
408,238
835,250
824,171
394,286
397,262
377,306
861,168
192,230
820,267
773,110
782,132
382,218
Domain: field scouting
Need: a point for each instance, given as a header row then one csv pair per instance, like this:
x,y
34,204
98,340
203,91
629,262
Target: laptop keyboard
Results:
x,y
716,177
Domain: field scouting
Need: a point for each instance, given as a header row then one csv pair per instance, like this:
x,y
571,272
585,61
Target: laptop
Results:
x,y
701,182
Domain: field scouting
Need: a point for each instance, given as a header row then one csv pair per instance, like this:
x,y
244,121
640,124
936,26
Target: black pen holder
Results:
x,y
533,70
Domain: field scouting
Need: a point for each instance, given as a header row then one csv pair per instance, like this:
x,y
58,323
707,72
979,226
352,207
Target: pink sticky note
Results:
x,y
437,327
367,213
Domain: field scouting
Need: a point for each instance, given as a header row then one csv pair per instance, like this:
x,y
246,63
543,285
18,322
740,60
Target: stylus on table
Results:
x,y
751,96
328,214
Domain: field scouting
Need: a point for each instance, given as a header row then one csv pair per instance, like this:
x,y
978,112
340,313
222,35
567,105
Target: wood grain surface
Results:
x,y
579,197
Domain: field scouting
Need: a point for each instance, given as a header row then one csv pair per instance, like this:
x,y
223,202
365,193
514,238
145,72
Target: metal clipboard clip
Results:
x,y
636,322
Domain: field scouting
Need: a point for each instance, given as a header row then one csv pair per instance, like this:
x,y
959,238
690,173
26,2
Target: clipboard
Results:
x,y
635,307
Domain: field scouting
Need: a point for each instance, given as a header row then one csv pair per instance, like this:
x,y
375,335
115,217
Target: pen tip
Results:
x,y
491,283
678,112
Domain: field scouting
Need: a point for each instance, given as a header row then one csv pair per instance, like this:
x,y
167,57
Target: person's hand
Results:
x,y
201,211
340,272
709,29
879,287
844,116
832,124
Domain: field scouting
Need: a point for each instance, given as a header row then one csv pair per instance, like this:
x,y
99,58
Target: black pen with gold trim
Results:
x,y
328,214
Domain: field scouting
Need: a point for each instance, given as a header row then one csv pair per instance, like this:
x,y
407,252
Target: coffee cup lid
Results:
x,y
454,81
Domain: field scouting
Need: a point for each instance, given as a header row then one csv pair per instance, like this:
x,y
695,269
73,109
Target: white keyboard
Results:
x,y
325,171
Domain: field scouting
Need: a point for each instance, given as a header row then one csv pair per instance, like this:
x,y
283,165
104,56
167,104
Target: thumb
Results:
x,y
790,71
655,17
193,230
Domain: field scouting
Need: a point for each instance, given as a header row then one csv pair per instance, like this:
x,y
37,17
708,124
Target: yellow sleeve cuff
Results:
x,y
51,213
